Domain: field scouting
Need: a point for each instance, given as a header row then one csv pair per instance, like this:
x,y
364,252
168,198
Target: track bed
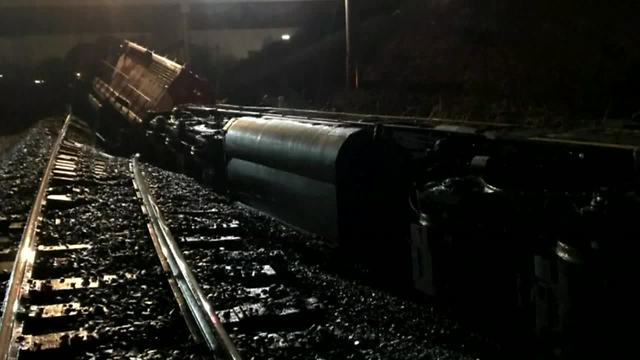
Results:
x,y
281,294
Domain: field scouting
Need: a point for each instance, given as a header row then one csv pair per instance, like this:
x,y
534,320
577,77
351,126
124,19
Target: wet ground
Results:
x,y
22,161
312,303
353,320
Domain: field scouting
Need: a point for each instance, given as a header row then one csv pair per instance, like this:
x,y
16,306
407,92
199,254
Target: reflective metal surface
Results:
x,y
11,326
292,169
210,326
306,149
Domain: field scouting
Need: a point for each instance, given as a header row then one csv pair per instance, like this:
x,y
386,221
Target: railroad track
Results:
x,y
56,304
120,260
20,168
86,281
262,303
198,311
279,295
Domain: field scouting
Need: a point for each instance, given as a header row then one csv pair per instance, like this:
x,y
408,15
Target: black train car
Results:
x,y
517,229
525,229
528,232
333,179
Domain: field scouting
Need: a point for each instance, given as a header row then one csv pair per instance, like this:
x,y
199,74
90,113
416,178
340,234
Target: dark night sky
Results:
x,y
37,30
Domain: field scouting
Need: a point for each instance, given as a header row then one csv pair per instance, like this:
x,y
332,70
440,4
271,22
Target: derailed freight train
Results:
x,y
520,228
138,81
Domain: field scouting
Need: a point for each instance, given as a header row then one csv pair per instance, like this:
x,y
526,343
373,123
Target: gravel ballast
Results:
x,y
350,320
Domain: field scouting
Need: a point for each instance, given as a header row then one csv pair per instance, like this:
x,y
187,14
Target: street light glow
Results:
x,y
286,37
38,82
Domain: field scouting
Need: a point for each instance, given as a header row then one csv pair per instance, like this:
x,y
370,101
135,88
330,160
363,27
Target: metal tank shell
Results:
x,y
301,172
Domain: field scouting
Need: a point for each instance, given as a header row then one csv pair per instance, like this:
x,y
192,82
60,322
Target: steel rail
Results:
x,y
201,311
23,264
